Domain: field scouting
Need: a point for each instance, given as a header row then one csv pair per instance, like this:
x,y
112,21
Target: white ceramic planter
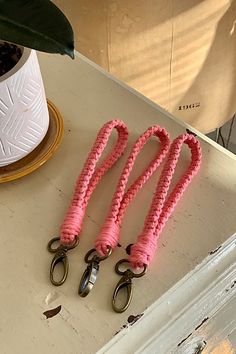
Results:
x,y
24,117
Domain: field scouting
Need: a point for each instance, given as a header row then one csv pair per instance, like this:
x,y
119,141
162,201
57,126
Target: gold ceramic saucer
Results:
x,y
41,153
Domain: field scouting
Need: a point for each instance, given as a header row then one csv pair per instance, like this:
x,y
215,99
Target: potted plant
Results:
x,y
26,25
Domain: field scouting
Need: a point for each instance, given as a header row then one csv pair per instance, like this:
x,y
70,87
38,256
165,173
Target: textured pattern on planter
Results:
x,y
23,112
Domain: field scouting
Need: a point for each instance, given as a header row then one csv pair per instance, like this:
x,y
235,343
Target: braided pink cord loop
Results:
x,y
142,252
109,233
90,177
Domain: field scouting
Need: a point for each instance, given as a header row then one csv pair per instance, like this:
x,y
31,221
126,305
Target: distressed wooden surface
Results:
x,y
197,312
32,210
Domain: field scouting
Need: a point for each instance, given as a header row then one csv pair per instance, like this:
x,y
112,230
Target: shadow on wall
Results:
x,y
215,83
75,10
175,53
92,21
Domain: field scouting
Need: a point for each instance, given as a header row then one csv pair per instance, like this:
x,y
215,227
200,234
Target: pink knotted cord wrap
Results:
x,y
142,252
90,177
109,233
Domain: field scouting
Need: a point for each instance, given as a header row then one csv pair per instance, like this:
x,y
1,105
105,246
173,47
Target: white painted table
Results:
x,y
32,209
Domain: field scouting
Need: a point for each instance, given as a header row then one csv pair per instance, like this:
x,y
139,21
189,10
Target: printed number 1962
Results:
x,y
189,106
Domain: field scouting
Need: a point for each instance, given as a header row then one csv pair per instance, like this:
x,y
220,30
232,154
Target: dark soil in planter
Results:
x,y
9,56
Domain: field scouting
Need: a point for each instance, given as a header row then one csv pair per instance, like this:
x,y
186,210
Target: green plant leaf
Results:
x,y
36,24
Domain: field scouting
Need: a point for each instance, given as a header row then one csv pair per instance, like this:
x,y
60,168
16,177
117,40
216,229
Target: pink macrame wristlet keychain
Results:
x,y
162,206
108,238
85,185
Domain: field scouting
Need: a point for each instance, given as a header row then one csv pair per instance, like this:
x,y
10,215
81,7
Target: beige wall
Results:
x,y
181,54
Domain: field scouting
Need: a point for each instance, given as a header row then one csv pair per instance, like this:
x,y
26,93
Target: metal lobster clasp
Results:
x,y
124,283
90,274
60,257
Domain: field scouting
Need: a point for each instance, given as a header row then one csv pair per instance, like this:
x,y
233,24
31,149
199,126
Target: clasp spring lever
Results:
x,y
124,283
60,257
90,274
